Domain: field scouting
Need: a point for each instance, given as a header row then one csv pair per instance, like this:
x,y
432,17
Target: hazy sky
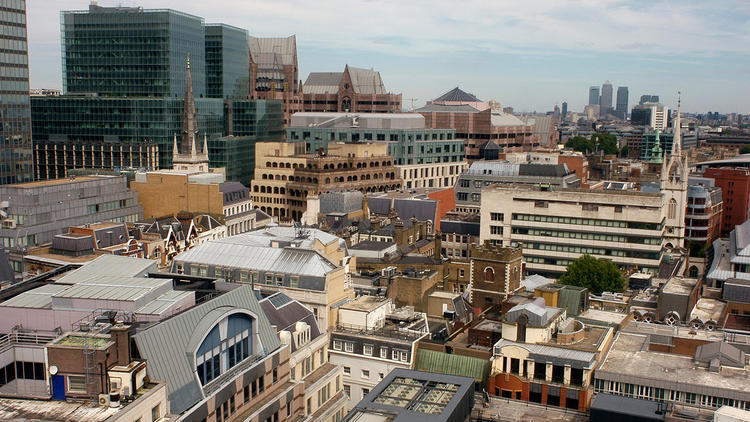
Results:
x,y
527,54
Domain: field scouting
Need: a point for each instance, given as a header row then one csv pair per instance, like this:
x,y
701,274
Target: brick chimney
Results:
x,y
121,336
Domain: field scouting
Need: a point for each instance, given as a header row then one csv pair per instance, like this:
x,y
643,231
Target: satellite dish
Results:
x,y
53,370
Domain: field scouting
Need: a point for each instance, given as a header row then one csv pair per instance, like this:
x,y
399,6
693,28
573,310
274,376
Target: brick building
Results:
x,y
735,188
354,89
495,274
274,73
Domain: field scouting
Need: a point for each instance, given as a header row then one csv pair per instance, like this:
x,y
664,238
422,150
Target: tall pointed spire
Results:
x,y
189,121
677,138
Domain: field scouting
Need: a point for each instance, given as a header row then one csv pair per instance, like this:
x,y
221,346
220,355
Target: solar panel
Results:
x,y
278,300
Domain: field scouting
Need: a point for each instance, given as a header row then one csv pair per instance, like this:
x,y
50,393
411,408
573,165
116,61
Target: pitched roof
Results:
x,y
273,51
366,81
169,346
284,312
723,352
457,94
109,265
445,108
322,83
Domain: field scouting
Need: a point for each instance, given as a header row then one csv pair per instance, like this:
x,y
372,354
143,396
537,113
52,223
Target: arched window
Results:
x,y
672,209
693,272
521,328
227,344
489,274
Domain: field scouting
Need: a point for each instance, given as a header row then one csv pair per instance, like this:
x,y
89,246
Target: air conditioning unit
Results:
x,y
9,224
104,400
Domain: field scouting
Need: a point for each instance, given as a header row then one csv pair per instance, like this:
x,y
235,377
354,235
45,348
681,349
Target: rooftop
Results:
x,y
680,286
629,360
458,95
55,182
365,303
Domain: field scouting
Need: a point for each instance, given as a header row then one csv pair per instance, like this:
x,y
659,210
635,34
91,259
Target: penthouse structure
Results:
x,y
308,265
714,376
286,176
37,211
370,340
353,90
704,211
469,187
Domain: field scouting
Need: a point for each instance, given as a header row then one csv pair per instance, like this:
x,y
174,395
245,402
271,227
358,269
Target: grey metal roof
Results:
x,y
381,206
273,51
421,209
537,313
723,352
163,302
366,81
322,83
38,298
457,94
267,235
289,260
287,313
533,281
346,202
118,288
110,265
638,409
166,345
736,290
444,108
556,355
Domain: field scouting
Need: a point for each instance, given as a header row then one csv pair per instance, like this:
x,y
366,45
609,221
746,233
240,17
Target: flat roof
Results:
x,y
54,410
53,182
679,285
630,361
364,303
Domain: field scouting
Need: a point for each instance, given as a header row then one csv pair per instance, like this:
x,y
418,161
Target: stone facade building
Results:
x,y
495,274
285,175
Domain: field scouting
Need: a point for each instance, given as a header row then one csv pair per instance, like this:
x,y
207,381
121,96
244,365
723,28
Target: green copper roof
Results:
x,y
656,151
444,363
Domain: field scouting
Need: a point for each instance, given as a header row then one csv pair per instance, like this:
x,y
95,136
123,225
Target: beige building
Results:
x,y
431,175
556,226
285,175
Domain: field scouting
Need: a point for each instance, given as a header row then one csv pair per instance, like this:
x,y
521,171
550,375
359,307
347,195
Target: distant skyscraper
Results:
x,y
556,113
606,101
594,95
648,98
564,109
622,102
15,115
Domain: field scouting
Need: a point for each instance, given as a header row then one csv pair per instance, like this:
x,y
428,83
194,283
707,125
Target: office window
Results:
x,y
347,370
155,413
337,345
349,347
365,391
367,349
365,373
348,390
384,353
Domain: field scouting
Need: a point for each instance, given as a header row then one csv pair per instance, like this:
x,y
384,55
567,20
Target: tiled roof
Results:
x,y
273,51
456,94
322,83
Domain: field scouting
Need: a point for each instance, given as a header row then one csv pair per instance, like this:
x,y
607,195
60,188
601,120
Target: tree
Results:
x,y
579,143
625,151
745,149
605,142
598,275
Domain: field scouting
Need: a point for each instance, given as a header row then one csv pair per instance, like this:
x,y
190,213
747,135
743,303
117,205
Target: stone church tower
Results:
x,y
674,184
185,156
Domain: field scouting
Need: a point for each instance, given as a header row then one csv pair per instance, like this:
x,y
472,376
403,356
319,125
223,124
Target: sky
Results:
x,y
529,55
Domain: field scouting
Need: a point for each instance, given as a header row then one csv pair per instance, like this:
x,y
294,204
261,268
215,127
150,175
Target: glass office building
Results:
x,y
227,62
131,51
15,124
114,132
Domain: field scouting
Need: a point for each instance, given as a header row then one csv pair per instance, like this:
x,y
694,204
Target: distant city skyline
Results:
x,y
529,58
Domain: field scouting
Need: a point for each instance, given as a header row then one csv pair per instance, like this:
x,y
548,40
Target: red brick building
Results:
x,y
274,73
354,89
735,188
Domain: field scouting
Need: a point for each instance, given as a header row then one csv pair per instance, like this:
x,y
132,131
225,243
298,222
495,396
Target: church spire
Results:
x,y
677,125
189,121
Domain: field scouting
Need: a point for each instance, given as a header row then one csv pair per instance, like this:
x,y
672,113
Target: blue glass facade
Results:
x,y
227,62
15,124
129,51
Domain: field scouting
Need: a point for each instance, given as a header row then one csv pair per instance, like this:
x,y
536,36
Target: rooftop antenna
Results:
x,y
412,102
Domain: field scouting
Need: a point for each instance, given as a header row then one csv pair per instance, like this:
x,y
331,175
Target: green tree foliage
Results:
x,y
579,143
600,141
745,149
598,275
605,142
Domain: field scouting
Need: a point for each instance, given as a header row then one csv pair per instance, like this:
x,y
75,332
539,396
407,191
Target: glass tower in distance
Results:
x,y
15,115
622,102
131,51
227,61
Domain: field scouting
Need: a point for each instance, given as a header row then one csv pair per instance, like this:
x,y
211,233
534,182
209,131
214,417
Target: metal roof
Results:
x,y
166,345
322,83
110,265
556,355
38,298
273,51
498,118
451,364
457,94
114,288
164,302
366,81
289,260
